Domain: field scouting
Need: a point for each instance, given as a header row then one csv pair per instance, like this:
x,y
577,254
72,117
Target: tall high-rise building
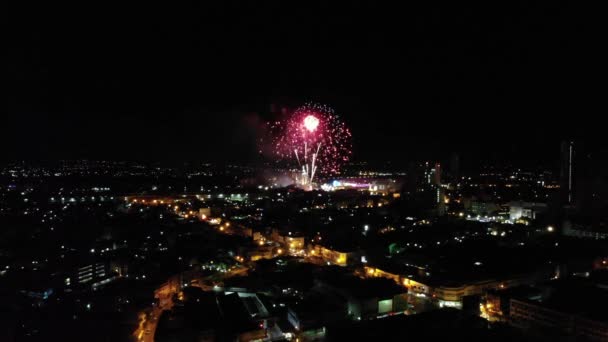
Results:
x,y
583,180
424,182
437,174
567,169
432,173
454,170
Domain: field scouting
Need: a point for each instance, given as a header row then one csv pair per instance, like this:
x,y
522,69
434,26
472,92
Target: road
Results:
x,y
147,327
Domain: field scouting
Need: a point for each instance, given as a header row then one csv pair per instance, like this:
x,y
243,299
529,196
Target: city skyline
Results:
x,y
141,138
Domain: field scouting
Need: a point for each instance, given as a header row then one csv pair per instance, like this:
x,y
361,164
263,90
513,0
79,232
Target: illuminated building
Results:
x,y
407,281
204,213
448,293
483,208
95,274
262,252
374,186
288,239
333,256
376,272
520,209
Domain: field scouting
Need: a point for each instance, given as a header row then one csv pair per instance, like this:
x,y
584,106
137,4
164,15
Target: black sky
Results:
x,y
192,81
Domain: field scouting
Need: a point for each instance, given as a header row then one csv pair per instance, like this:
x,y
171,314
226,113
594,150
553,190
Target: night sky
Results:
x,y
195,82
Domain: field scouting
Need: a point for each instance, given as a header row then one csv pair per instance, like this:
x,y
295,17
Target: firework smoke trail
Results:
x,y
316,137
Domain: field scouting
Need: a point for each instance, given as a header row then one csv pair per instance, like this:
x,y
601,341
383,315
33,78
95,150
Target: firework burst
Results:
x,y
315,137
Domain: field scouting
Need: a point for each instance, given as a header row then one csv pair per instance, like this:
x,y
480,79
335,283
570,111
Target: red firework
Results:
x,y
316,138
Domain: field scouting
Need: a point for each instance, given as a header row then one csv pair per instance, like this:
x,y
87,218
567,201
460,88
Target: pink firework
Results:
x,y
311,123
315,137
